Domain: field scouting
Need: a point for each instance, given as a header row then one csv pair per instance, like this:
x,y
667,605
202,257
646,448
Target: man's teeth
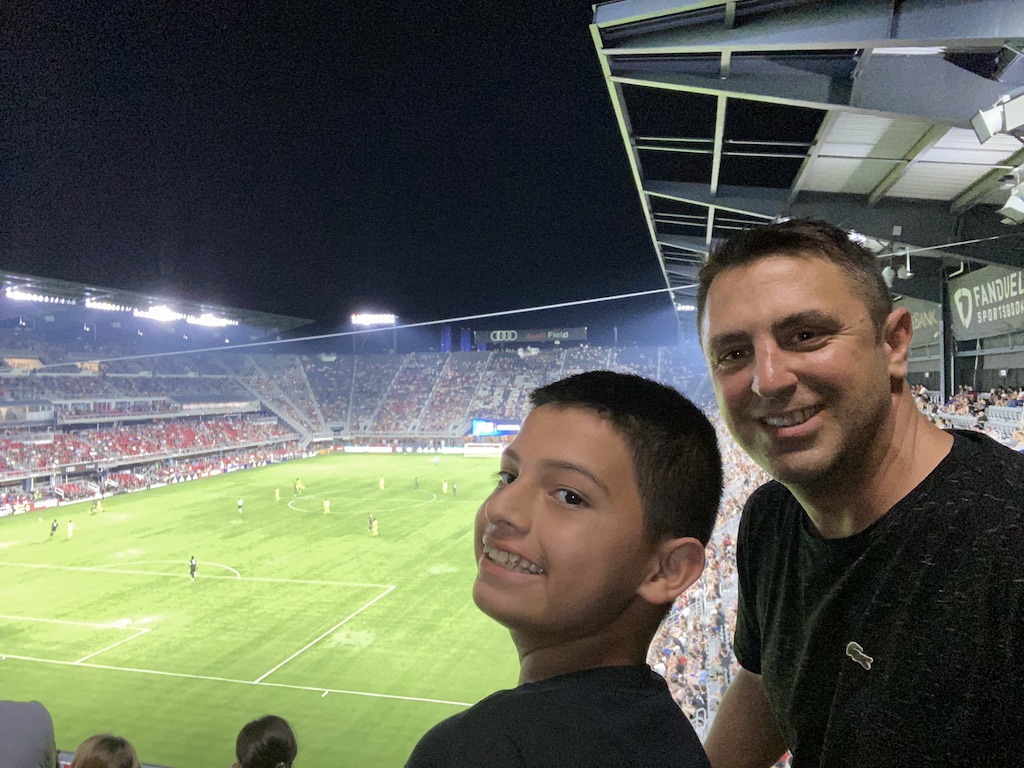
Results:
x,y
511,562
791,419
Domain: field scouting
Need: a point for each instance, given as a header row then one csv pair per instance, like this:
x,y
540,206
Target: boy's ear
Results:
x,y
675,565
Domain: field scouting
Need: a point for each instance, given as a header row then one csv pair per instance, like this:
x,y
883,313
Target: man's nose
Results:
x,y
773,375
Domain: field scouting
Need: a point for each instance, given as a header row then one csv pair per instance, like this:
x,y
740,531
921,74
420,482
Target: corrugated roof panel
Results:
x,y
829,174
854,135
935,181
961,146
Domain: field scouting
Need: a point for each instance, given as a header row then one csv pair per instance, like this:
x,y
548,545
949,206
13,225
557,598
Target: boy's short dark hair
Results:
x,y
675,453
812,238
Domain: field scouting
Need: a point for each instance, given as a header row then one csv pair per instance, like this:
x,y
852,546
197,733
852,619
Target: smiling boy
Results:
x,y
603,506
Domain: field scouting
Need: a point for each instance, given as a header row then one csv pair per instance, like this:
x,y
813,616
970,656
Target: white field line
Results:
x,y
112,569
116,566
138,633
325,634
64,621
316,689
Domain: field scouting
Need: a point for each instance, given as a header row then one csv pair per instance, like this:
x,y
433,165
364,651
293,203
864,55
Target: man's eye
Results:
x,y
730,356
571,498
505,477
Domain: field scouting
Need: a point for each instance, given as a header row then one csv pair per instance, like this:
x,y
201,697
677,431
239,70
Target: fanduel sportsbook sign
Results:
x,y
987,303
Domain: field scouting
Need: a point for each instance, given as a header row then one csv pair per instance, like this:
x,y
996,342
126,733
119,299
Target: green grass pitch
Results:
x,y
108,630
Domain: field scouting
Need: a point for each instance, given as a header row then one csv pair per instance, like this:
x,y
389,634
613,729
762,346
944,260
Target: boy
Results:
x,y
604,504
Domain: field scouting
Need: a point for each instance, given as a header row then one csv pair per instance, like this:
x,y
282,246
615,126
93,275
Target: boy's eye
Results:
x,y
505,477
571,498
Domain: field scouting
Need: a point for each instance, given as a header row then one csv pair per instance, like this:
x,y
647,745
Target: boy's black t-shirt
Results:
x,y
614,717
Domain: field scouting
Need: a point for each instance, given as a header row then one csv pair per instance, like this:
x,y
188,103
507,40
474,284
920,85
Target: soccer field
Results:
x,y
362,643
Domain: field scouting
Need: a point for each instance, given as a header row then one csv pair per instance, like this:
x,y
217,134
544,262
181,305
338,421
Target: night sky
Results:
x,y
433,159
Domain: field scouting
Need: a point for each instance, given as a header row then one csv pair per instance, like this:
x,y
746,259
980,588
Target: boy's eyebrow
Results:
x,y
567,465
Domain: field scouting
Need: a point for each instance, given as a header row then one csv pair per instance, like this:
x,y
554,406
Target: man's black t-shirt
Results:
x,y
613,717
902,645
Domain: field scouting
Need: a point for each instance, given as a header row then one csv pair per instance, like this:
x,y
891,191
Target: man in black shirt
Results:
x,y
881,577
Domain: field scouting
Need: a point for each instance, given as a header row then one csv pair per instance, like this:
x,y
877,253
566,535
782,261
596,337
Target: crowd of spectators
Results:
x,y
130,443
693,648
999,413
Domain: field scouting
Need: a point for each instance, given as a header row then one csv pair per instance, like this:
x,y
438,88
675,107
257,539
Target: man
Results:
x,y
26,735
881,577
53,527
240,505
327,506
604,504
277,494
71,529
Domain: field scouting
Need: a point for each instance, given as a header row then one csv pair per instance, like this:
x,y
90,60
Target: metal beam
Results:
x,y
759,202
819,139
838,24
928,140
626,131
984,185
716,160
915,87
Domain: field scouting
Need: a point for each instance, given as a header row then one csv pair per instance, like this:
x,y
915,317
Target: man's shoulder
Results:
x,y
992,464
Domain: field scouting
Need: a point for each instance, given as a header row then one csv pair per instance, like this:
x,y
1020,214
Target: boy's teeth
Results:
x,y
512,562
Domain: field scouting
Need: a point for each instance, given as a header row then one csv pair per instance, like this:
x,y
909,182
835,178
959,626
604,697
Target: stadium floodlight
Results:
x,y
1007,116
209,320
16,294
159,313
1013,211
106,306
373,318
686,307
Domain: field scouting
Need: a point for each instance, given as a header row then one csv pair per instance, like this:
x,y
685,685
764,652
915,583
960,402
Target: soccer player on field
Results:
x,y
71,529
192,567
53,527
240,506
277,494
327,506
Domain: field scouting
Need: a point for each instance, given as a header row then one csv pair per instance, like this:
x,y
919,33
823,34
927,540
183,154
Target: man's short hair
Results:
x,y
809,238
676,461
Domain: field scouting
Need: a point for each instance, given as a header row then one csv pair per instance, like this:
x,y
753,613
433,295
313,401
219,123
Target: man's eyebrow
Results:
x,y
810,316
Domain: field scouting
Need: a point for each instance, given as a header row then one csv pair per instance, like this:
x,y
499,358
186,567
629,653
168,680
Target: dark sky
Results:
x,y
434,158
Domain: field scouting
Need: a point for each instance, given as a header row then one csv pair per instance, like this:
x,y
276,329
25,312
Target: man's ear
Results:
x,y
675,565
898,331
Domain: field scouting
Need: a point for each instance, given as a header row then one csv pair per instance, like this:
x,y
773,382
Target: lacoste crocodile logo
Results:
x,y
856,652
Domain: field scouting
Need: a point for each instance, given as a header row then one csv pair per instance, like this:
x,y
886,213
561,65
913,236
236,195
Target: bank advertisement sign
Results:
x,y
927,319
988,302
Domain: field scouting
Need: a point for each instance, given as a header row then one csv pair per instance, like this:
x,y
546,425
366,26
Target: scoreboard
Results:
x,y
492,428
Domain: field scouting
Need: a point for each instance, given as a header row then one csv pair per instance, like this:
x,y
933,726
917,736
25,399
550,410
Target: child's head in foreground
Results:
x,y
267,742
604,504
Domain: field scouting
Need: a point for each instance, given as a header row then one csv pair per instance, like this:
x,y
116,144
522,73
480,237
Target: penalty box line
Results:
x,y
315,689
139,631
309,645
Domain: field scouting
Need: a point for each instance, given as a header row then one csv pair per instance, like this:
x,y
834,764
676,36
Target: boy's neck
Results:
x,y
539,661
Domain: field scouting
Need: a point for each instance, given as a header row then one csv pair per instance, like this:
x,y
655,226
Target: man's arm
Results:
x,y
744,733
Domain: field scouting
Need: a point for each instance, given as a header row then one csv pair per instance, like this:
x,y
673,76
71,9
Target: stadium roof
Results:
x,y
736,112
56,297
